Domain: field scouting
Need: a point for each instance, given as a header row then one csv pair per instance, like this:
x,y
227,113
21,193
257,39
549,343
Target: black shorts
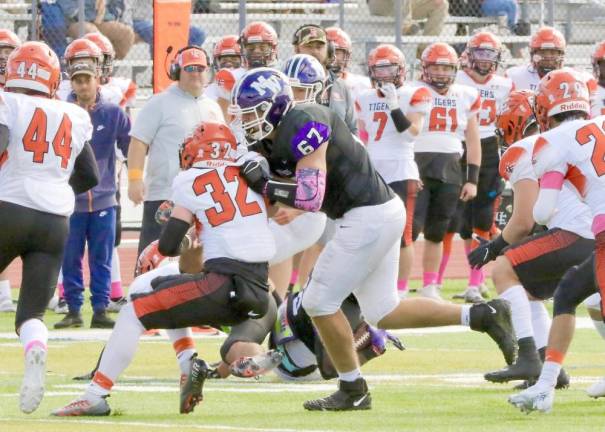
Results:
x,y
435,206
407,190
541,260
39,239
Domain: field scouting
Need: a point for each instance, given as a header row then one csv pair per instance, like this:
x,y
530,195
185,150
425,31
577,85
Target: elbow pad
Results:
x,y
545,205
306,194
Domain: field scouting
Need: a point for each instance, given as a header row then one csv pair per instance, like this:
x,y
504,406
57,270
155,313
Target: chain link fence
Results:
x,y
410,24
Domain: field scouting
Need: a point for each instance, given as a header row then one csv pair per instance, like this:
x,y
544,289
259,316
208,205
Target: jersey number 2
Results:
x,y
220,196
585,135
34,139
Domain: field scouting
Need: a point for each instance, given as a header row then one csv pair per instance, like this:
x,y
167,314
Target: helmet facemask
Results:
x,y
483,60
546,60
390,73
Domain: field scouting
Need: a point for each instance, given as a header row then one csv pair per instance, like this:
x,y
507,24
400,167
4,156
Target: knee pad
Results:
x,y
565,299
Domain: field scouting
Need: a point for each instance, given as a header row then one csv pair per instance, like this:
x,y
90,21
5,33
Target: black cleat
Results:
x,y
101,320
192,387
350,396
494,318
71,320
527,366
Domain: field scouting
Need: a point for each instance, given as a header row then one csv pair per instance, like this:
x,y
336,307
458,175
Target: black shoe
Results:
x,y
191,389
494,319
86,377
563,378
71,320
527,366
349,396
101,320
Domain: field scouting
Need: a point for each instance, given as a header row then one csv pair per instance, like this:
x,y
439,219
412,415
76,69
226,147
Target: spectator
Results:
x,y
94,219
139,14
60,20
502,7
161,127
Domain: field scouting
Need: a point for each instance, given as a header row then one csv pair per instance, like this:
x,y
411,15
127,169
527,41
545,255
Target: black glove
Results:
x,y
254,174
486,251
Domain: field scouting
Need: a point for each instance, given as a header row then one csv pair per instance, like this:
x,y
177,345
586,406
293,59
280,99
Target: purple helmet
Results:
x,y
259,100
305,72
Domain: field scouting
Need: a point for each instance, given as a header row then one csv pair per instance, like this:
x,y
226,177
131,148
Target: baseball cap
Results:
x,y
82,69
309,33
192,56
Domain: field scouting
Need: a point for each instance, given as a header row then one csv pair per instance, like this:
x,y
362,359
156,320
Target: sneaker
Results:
x,y
52,303
61,307
534,399
86,377
494,318
596,390
7,305
249,367
349,396
193,385
83,406
470,295
32,388
115,306
101,320
71,320
430,291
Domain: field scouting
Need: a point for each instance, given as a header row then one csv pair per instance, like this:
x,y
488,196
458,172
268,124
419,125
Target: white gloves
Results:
x,y
389,92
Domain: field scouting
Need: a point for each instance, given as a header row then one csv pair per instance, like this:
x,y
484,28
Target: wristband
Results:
x,y
401,121
135,174
472,174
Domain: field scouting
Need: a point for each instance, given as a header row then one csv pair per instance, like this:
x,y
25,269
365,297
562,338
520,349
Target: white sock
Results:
x,y
540,321
33,333
5,289
465,315
599,326
520,310
549,375
350,376
183,356
116,275
119,350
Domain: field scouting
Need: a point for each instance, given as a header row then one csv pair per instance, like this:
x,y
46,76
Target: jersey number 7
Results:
x,y
222,197
34,139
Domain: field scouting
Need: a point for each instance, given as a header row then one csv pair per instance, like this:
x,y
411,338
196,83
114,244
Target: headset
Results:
x,y
174,73
331,46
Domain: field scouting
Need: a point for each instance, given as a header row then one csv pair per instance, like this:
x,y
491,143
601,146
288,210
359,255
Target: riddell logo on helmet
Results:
x,y
572,106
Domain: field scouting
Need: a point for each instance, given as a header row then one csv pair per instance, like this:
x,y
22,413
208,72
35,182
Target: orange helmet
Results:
x,y
259,32
107,50
33,66
150,259
210,141
516,117
439,53
561,91
387,64
227,46
81,49
598,55
484,51
341,42
8,39
547,50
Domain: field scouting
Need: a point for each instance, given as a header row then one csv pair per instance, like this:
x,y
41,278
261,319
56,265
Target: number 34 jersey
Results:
x,y
45,138
444,130
233,217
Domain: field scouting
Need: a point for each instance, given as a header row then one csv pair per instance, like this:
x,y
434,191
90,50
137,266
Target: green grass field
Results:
x,y
435,385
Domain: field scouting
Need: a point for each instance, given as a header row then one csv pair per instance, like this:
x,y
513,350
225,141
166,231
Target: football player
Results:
x,y
390,144
35,194
598,69
331,172
572,148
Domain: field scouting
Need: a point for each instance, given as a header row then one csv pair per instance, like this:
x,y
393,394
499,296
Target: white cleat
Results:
x,y
596,390
84,406
32,388
534,399
473,295
6,305
430,291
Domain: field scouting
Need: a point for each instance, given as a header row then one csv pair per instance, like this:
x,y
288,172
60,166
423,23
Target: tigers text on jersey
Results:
x,y
493,94
384,142
576,149
572,214
444,130
46,136
233,217
524,77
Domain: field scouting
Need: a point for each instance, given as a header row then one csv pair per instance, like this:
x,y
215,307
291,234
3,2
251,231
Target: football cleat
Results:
x,y
116,306
494,318
249,367
192,386
522,369
596,390
32,388
350,396
430,291
534,399
6,305
84,406
470,295
61,307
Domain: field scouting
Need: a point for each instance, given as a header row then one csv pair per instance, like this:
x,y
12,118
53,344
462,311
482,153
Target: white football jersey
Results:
x,y
392,152
233,217
597,102
524,77
576,149
572,214
356,84
46,136
493,94
444,130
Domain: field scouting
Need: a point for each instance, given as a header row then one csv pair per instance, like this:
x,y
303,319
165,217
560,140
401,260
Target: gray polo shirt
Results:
x,y
164,123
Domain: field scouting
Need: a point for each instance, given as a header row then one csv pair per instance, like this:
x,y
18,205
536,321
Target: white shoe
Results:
x,y
115,306
84,406
534,398
53,303
430,291
473,295
32,388
6,305
596,390
62,307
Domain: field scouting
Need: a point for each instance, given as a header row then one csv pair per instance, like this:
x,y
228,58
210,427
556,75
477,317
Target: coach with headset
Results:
x,y
159,130
311,39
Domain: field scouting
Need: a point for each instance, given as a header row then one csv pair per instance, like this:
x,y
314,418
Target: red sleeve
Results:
x,y
420,97
509,160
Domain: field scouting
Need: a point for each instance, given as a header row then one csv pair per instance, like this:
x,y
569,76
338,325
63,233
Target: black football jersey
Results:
x,y
351,179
